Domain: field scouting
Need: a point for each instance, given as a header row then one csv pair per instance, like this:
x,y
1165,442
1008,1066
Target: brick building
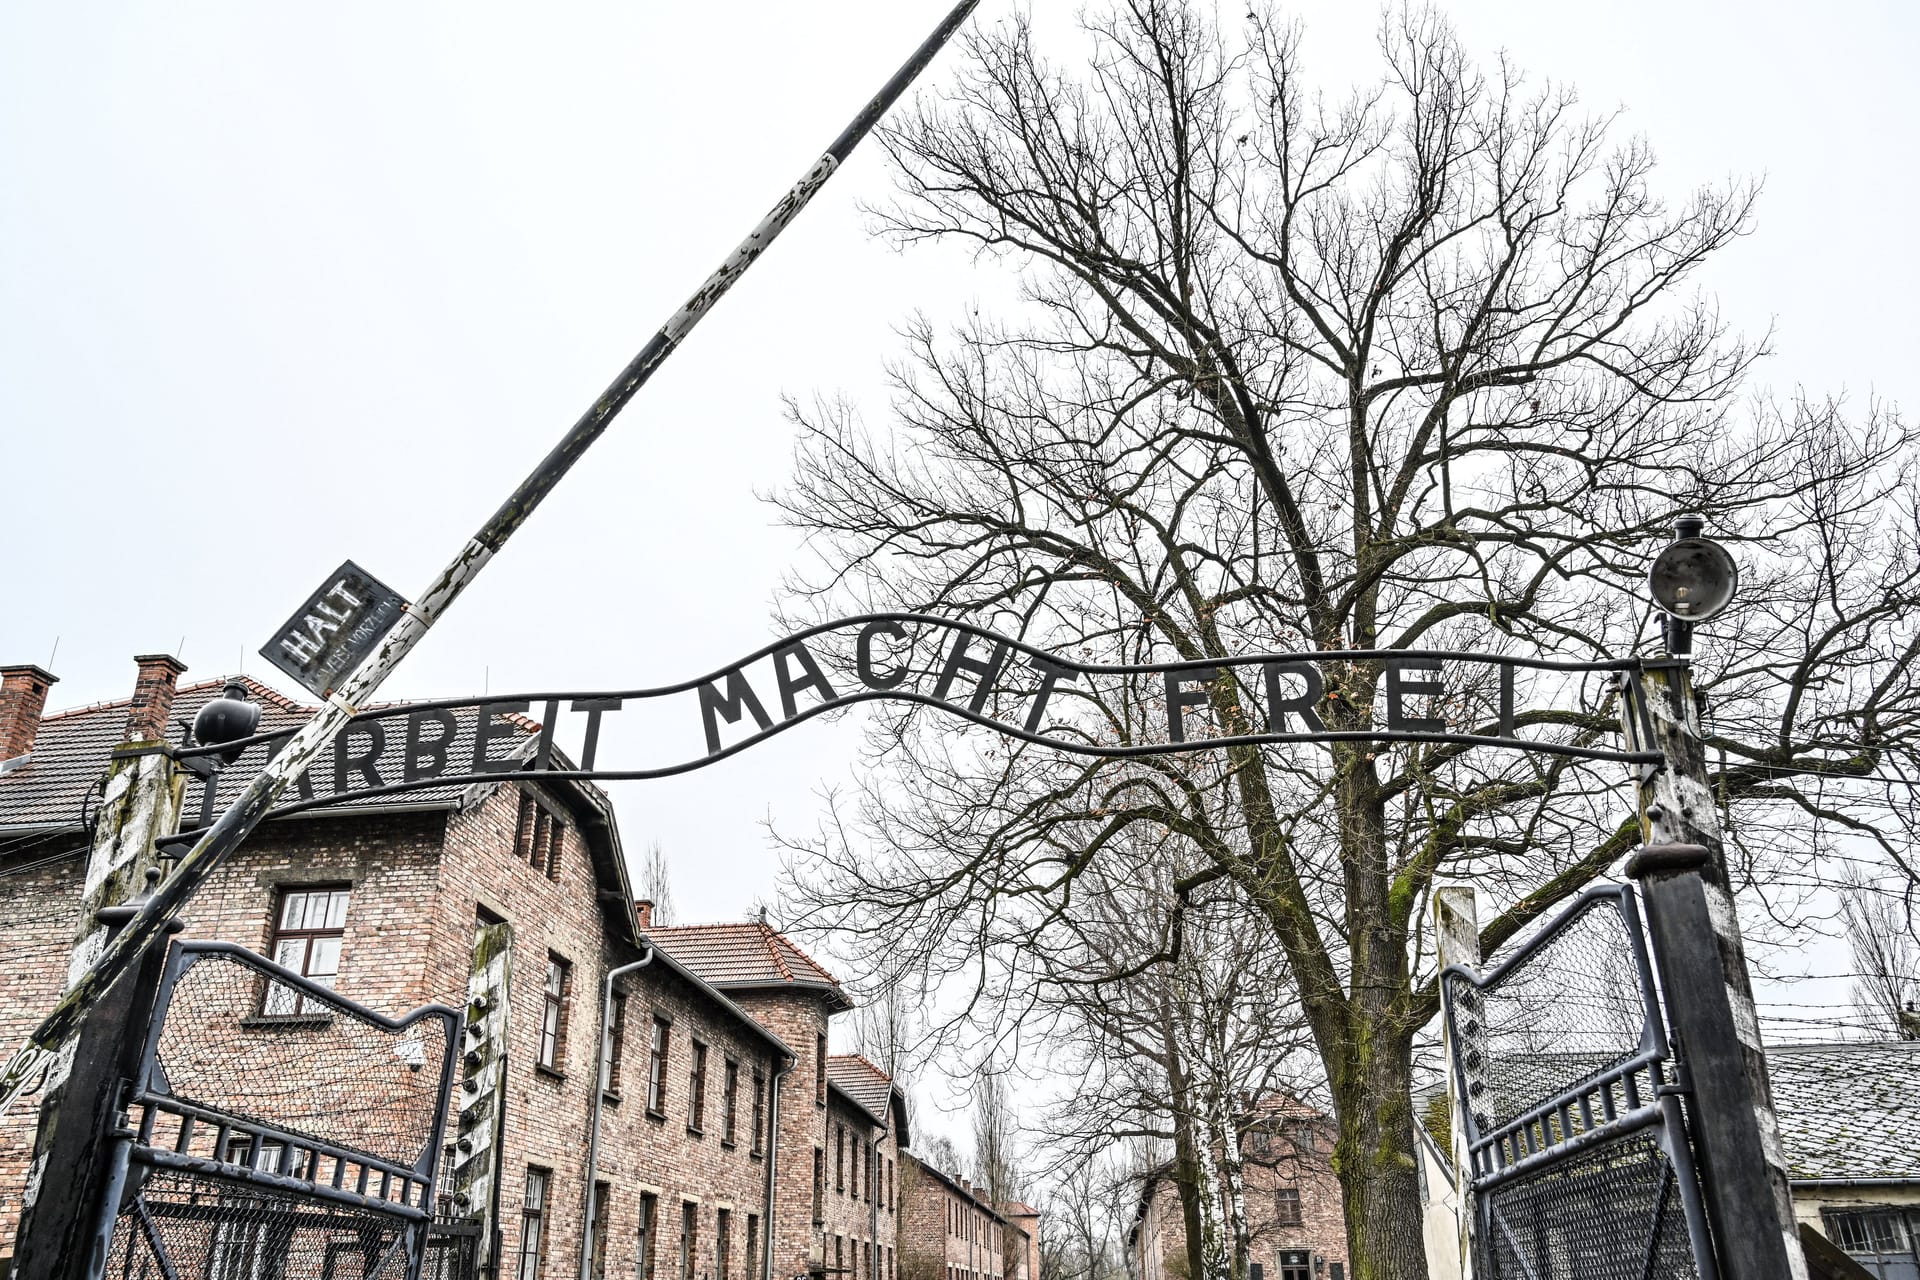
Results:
x,y
731,1145
950,1231
1295,1210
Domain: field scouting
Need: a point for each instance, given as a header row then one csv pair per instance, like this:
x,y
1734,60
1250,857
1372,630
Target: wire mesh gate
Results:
x,y
275,1130
1578,1161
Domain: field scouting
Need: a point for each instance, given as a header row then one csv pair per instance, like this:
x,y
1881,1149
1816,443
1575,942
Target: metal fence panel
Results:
x,y
276,1128
1579,1164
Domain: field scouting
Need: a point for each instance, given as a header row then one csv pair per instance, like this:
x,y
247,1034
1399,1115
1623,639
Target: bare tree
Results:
x,y
1414,367
1886,958
654,885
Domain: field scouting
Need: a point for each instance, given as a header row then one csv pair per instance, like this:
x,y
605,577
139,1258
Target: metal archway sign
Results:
x,y
1465,700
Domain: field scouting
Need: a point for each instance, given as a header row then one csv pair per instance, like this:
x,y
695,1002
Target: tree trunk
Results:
x,y
1374,1159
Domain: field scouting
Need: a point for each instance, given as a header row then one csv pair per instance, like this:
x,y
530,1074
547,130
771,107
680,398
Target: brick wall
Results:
x,y
800,1020
946,1233
38,919
1287,1164
861,1166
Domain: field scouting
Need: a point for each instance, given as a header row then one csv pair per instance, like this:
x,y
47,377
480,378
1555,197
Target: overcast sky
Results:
x,y
286,284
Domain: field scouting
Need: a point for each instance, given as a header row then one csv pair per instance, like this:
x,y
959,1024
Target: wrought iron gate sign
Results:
x,y
334,631
275,1128
1579,1167
1017,689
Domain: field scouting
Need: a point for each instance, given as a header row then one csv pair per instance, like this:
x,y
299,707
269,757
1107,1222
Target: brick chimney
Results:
x,y
23,696
152,697
643,909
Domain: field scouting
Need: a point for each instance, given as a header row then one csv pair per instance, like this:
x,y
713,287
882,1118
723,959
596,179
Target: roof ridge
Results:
x,y
773,939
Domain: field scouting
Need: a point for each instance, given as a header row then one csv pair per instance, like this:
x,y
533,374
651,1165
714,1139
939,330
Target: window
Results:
x,y
722,1241
1296,1264
536,838
1875,1236
839,1255
553,1013
730,1102
839,1160
759,1107
443,1183
753,1245
1286,1207
657,1067
820,1070
892,1202
616,1043
1336,1271
306,939
643,1251
697,1089
853,1169
689,1237
819,1185
602,1192
1304,1138
533,1221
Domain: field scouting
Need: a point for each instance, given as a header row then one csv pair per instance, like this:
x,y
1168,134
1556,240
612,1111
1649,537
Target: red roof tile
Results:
x,y
746,955
870,1088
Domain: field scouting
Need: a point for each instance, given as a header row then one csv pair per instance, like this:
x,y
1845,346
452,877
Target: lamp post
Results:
x,y
1695,935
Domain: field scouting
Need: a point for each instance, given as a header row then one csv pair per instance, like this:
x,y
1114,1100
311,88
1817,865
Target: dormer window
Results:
x,y
537,836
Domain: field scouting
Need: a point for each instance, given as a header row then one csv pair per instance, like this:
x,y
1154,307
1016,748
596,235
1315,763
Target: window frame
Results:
x,y
722,1243
615,1051
646,1236
538,834
278,933
697,1090
1282,1216
533,1223
819,1185
689,1238
759,1111
820,1069
659,1051
730,1102
552,1054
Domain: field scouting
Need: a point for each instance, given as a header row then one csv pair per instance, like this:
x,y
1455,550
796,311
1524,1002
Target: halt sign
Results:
x,y
334,631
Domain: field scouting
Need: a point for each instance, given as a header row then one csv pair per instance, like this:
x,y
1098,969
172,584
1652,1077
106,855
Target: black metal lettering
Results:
x,y
1398,686
1311,692
958,661
543,752
811,677
487,729
739,694
1051,673
1178,699
433,750
367,763
863,655
594,707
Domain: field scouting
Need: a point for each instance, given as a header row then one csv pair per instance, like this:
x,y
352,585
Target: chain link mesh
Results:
x,y
1611,1212
241,1044
1569,1012
217,1230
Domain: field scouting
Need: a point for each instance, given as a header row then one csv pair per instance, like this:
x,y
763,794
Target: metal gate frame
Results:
x,y
356,1180
1640,1091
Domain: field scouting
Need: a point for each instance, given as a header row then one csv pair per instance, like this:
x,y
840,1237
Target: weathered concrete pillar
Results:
x,y
1456,936
140,803
482,1095
1693,928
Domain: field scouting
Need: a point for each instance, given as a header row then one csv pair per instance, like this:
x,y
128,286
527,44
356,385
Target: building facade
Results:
x,y
731,1144
949,1230
1296,1220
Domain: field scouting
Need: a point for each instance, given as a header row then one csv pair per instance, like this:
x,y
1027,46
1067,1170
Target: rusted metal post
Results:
x,y
246,812
1709,995
1456,937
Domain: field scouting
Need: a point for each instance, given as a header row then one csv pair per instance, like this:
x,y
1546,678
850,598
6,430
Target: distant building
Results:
x,y
1295,1209
951,1230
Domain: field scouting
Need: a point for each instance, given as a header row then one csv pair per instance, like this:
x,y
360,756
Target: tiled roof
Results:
x,y
870,1088
71,749
746,956
1848,1110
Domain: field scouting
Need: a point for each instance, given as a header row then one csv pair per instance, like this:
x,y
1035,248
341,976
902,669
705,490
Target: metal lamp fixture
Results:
x,y
1692,580
228,718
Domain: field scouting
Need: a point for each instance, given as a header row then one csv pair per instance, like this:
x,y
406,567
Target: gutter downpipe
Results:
x,y
599,1098
767,1214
